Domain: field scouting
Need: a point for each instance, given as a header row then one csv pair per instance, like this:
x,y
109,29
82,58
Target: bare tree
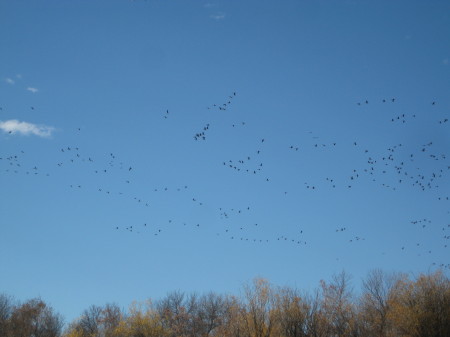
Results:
x,y
293,313
212,308
110,319
6,309
421,308
377,290
97,321
259,316
90,321
173,313
337,305
35,318
233,318
316,322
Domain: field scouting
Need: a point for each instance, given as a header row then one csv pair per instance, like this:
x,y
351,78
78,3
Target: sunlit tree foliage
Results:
x,y
388,305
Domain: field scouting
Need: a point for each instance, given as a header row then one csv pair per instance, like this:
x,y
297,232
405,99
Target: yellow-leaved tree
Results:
x,y
421,308
142,321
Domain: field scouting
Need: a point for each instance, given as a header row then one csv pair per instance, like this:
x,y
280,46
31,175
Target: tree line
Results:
x,y
388,304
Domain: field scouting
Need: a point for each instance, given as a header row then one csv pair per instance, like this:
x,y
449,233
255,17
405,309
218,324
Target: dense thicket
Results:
x,y
33,318
388,305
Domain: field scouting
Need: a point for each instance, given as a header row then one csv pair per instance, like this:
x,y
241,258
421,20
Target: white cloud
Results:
x,y
219,16
14,126
445,62
9,80
19,76
209,5
33,90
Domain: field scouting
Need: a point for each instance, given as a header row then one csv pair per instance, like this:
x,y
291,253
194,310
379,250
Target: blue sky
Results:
x,y
297,177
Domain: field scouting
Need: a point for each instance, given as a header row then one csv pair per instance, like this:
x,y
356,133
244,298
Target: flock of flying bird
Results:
x,y
397,166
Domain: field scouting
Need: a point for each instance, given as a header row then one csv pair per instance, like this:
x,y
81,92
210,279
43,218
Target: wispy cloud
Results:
x,y
209,5
33,90
14,126
445,62
218,16
9,80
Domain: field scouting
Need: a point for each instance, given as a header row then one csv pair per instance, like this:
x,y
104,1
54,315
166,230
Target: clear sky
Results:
x,y
322,145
